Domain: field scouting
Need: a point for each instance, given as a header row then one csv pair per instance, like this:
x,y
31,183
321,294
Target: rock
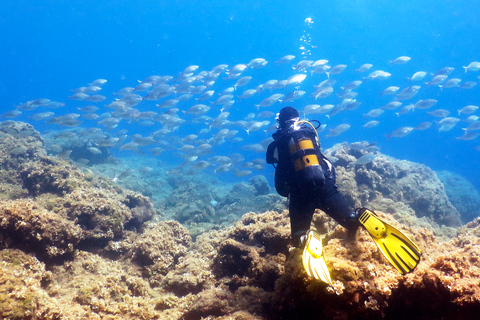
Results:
x,y
462,194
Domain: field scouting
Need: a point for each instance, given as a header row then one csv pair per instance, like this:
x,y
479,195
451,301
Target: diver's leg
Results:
x,y
301,211
332,202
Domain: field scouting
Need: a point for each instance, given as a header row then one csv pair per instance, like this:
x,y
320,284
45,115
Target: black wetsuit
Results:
x,y
304,198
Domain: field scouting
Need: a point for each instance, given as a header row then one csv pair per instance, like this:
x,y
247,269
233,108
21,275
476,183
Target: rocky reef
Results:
x,y
462,194
74,245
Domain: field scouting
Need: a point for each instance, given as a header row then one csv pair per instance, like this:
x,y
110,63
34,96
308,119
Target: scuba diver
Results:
x,y
307,178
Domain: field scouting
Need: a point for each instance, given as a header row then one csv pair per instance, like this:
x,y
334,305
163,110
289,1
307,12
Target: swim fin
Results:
x,y
399,250
313,259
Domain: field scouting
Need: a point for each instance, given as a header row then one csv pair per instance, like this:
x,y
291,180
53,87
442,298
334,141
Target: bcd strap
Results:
x,y
270,153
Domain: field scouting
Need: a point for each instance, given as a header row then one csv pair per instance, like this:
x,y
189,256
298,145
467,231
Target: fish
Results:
x,y
468,136
378,75
371,124
322,93
94,150
257,63
444,71
285,59
98,82
338,130
407,93
325,108
302,65
447,124
451,83
88,109
468,109
400,60
337,69
79,96
311,108
242,173
247,94
374,113
364,67
242,81
424,125
392,105
12,114
319,69
473,126
222,100
294,95
267,102
365,159
468,85
439,113
473,66
42,115
400,132
390,90
425,104
436,80
296,79
418,76
352,85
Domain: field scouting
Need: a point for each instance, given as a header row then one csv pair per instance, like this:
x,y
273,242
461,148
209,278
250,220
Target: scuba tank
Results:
x,y
304,148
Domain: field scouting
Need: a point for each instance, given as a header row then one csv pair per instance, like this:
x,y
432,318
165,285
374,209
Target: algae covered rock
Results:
x,y
20,144
462,194
399,180
25,225
159,248
22,278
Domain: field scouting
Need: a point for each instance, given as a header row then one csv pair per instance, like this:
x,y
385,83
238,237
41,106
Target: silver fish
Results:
x,y
407,93
366,158
400,132
338,130
374,113
417,76
425,104
285,59
400,60
469,135
468,109
371,124
439,113
473,66
364,67
424,125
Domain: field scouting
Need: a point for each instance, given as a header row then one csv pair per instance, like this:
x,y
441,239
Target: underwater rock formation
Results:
x,y
75,246
412,184
462,194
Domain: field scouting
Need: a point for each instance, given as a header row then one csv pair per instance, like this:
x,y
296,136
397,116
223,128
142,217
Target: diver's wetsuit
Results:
x,y
305,199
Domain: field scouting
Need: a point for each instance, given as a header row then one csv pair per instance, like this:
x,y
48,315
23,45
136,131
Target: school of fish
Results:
x,y
206,117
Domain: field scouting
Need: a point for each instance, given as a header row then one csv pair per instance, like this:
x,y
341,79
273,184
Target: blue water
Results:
x,y
52,47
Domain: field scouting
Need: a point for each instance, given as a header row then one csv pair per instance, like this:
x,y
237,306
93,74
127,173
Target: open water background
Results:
x,y
52,47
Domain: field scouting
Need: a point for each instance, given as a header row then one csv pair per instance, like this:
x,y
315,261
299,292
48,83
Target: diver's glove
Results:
x,y
398,249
